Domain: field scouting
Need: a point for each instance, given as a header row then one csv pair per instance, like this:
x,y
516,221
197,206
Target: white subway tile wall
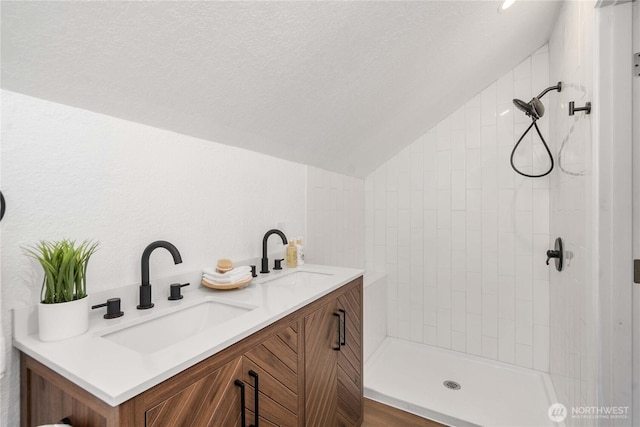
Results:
x,y
374,312
335,213
461,236
573,359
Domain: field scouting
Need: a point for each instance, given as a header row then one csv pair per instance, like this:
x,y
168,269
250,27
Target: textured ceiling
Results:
x,y
338,85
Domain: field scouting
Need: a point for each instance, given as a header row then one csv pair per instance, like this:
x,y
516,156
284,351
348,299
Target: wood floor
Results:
x,y
379,415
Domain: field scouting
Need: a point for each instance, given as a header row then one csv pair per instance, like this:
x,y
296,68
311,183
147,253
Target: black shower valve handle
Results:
x,y
557,253
552,254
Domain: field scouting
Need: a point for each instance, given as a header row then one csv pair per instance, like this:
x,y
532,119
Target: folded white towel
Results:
x,y
228,280
232,272
235,275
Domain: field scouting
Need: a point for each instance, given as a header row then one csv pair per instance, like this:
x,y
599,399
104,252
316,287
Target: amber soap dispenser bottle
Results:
x,y
292,255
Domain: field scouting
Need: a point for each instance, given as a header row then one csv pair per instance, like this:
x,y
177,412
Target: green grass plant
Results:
x,y
65,269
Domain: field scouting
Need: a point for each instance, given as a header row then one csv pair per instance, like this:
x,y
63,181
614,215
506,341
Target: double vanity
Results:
x,y
286,349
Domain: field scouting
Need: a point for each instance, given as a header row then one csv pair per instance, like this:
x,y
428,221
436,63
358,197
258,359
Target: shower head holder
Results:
x,y
573,109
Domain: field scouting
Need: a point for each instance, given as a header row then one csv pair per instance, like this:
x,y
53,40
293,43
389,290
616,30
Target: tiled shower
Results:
x,y
461,236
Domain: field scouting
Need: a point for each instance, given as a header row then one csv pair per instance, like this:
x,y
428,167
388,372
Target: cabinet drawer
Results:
x,y
211,401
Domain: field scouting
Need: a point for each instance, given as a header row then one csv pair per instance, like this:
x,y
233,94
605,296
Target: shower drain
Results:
x,y
452,385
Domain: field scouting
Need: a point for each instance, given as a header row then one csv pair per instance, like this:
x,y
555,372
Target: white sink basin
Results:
x,y
303,278
161,332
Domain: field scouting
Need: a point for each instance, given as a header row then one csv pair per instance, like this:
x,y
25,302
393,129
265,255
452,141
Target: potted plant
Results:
x,y
63,311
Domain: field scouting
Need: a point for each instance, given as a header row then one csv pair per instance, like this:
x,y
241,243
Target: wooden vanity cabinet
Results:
x,y
333,361
302,379
321,343
350,381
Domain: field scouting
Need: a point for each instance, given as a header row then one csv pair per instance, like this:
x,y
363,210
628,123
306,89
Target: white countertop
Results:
x,y
115,373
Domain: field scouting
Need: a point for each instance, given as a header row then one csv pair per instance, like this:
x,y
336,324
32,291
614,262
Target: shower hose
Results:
x,y
533,123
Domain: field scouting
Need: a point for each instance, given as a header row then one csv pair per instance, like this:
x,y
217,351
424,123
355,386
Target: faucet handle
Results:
x,y
175,291
113,308
277,264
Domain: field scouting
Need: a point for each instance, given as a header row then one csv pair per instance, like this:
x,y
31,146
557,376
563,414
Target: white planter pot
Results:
x,y
63,320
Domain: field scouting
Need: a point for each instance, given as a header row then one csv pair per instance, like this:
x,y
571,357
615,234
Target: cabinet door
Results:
x,y
211,401
320,360
350,358
275,361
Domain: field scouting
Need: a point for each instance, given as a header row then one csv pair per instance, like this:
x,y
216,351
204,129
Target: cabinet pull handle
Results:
x,y
339,338
256,392
344,327
243,415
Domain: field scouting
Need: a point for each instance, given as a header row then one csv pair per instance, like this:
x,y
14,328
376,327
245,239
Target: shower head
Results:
x,y
535,108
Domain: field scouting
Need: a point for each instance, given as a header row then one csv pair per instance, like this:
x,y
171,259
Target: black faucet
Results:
x,y
265,260
145,287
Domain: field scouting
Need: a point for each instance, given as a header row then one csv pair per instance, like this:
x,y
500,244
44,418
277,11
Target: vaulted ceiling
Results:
x,y
338,85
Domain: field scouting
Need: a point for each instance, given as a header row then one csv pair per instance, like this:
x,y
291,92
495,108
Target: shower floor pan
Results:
x,y
412,377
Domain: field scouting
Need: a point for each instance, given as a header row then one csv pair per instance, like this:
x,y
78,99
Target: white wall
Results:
x,y
573,313
461,235
636,216
612,200
3,342
335,219
374,312
73,173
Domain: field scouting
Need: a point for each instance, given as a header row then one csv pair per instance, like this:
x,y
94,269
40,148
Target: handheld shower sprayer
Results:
x,y
535,110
